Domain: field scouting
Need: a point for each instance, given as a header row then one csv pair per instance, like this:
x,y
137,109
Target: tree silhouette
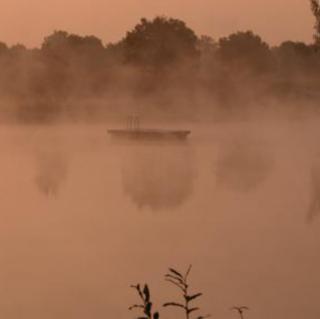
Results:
x,y
163,64
246,52
315,7
74,63
295,58
160,42
3,48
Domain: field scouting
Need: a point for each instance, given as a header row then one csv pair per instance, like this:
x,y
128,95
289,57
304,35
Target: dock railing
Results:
x,y
133,123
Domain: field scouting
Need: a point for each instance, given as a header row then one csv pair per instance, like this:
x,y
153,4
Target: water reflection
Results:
x,y
314,207
159,176
243,166
51,171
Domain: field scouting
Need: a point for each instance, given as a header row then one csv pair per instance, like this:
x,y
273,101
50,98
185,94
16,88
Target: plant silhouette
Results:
x,y
146,305
181,281
240,310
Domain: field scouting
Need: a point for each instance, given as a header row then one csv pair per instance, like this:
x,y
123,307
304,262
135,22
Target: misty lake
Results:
x,y
82,217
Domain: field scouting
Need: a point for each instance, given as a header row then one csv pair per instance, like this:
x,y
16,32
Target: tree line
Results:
x,y
162,65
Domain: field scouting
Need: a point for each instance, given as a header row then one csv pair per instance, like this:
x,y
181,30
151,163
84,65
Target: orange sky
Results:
x,y
28,21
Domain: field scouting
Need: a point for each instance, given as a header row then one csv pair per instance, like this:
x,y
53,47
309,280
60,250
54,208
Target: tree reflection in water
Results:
x,y
243,166
159,176
52,171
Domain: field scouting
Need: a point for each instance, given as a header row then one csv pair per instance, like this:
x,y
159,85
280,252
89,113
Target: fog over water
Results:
x,y
82,217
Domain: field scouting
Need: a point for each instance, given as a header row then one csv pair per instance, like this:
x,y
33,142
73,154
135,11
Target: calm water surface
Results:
x,y
83,217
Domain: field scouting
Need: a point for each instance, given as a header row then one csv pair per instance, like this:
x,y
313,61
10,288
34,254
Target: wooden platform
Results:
x,y
149,134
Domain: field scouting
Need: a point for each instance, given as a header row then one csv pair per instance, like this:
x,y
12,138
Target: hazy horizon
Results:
x,y
163,150
109,20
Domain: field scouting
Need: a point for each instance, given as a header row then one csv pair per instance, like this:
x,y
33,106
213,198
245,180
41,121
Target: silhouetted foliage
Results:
x,y
296,58
245,52
146,306
240,310
73,62
3,48
315,6
181,281
159,43
161,63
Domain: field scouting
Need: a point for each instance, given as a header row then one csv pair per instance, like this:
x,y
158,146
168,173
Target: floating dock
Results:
x,y
134,132
149,134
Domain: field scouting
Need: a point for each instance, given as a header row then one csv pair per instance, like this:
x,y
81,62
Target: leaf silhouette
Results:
x,y
136,306
138,288
146,293
189,298
148,308
176,272
188,272
176,284
193,309
174,304
175,278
